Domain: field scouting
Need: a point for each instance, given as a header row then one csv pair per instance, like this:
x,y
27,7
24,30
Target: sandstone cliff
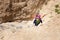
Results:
x,y
18,10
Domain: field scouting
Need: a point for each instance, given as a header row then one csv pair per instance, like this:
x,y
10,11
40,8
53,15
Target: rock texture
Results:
x,y
18,10
26,30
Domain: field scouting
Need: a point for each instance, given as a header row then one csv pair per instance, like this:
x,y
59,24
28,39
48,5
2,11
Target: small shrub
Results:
x,y
57,9
57,6
58,12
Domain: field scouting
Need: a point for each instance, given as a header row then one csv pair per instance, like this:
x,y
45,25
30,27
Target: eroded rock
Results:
x,y
13,10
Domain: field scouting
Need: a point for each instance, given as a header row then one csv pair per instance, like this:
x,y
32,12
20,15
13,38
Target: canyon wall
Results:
x,y
19,10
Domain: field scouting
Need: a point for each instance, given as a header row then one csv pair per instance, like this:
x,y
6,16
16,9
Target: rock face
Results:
x,y
17,10
26,30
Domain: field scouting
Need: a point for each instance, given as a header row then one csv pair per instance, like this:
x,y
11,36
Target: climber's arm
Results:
x,y
43,15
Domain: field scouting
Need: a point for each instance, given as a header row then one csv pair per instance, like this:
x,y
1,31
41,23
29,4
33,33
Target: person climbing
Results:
x,y
38,19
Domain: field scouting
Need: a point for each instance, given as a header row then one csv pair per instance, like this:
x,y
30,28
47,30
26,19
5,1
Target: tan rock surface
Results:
x,y
26,30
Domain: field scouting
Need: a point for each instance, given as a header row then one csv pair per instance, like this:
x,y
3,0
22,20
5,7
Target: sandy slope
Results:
x,y
48,30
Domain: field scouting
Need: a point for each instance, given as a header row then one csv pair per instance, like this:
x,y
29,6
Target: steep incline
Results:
x,y
48,30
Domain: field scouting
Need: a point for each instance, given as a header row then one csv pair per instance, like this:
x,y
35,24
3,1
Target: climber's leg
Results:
x,y
41,20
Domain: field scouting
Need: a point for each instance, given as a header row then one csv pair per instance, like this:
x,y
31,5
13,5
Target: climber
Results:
x,y
38,19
